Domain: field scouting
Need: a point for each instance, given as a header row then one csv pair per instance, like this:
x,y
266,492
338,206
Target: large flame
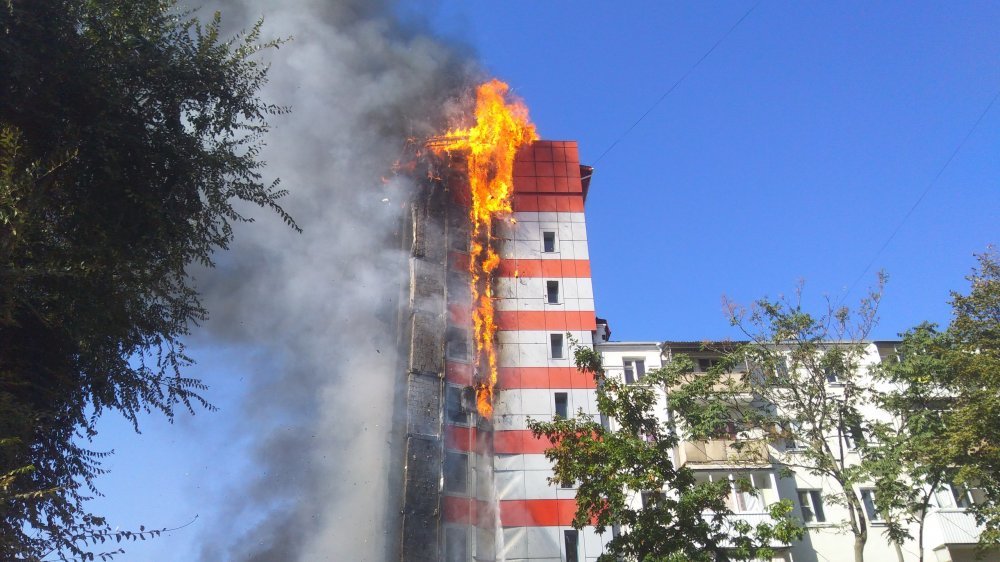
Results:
x,y
490,146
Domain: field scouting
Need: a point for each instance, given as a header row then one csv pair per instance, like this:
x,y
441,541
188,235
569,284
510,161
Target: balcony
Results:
x,y
723,452
951,527
753,519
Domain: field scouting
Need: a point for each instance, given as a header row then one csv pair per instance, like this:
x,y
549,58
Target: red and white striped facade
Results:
x,y
507,473
544,247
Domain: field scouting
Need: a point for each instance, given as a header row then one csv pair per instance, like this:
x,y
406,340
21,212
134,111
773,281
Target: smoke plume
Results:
x,y
322,306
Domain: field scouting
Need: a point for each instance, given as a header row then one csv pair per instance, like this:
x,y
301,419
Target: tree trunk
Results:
x,y
859,548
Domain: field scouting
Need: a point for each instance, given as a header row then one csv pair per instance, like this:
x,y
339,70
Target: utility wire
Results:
x,y
678,82
923,194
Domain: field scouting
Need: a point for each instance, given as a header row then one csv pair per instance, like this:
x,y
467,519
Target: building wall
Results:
x,y
548,198
948,532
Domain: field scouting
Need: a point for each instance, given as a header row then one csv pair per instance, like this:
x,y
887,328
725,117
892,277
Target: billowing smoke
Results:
x,y
322,306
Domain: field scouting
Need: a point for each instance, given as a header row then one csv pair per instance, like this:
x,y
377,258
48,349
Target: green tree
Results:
x,y
796,387
945,395
129,135
615,464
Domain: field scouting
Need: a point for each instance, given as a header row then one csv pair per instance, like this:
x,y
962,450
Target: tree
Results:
x,y
799,385
945,392
129,133
677,518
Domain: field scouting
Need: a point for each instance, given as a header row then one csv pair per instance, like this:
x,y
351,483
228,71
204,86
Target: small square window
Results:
x,y
562,405
549,241
552,292
556,341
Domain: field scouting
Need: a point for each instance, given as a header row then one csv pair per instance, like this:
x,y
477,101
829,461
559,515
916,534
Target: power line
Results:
x,y
678,82
923,194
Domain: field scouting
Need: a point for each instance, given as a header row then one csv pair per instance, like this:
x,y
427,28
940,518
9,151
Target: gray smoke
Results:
x,y
322,306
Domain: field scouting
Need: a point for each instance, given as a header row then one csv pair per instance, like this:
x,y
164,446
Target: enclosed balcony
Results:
x,y
723,452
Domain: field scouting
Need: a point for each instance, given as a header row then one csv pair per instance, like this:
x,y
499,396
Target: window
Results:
x,y
854,436
951,496
548,241
562,405
571,538
635,369
704,364
793,430
651,499
457,344
868,499
455,545
832,376
556,341
781,370
456,473
745,495
811,502
552,292
454,409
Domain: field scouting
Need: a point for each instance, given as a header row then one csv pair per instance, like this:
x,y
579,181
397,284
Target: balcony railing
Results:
x,y
723,451
951,526
753,519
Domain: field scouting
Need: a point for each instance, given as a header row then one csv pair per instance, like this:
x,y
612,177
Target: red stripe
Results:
x,y
519,441
467,511
458,373
537,513
544,377
558,320
544,268
460,438
532,202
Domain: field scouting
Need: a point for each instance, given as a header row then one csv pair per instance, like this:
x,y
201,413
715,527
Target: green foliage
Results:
x,y
945,394
797,378
128,133
611,466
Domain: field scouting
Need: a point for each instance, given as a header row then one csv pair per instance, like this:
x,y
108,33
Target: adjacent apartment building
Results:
x,y
950,532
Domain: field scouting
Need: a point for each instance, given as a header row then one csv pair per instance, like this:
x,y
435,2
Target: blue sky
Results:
x,y
792,152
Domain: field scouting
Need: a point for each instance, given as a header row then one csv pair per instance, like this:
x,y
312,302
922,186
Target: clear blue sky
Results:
x,y
792,152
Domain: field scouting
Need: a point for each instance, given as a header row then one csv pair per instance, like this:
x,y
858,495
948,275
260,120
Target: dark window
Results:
x,y
635,369
562,404
868,498
456,473
552,292
457,344
812,506
854,436
704,364
548,241
832,376
572,540
455,545
557,345
453,406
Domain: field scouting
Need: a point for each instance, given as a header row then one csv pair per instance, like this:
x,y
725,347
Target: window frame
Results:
x,y
553,346
564,403
552,295
815,505
871,510
636,366
553,238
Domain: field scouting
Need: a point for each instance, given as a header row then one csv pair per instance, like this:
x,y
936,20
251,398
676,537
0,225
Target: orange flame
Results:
x,y
491,144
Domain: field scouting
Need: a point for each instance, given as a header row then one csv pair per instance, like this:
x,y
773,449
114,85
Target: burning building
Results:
x,y
499,289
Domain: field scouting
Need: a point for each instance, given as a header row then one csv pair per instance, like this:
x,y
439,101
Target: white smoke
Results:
x,y
323,305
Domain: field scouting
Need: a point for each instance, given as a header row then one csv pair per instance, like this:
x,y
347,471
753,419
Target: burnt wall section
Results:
x,y
423,379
